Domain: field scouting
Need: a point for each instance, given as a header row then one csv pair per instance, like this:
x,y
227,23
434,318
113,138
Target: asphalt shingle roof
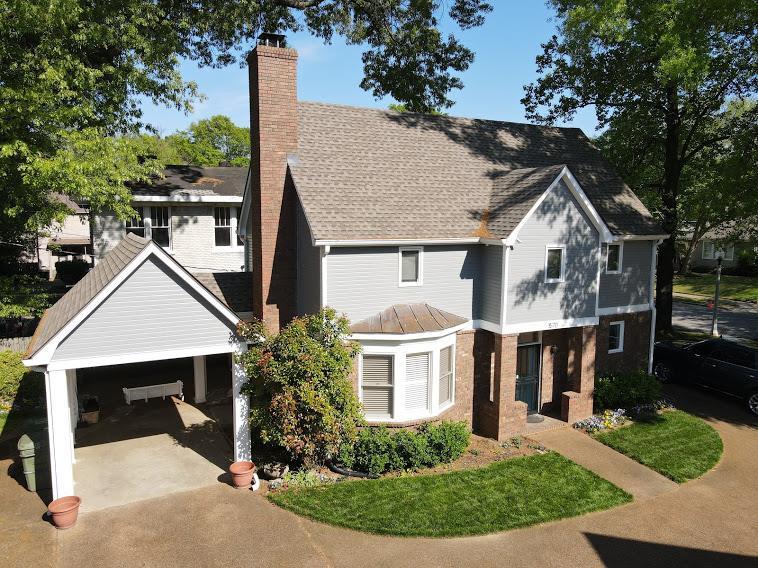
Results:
x,y
374,174
235,289
195,180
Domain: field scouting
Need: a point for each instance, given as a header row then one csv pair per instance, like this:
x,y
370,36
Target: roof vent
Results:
x,y
272,40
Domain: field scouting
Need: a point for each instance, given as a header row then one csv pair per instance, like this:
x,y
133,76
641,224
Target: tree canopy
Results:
x,y
72,74
212,141
660,75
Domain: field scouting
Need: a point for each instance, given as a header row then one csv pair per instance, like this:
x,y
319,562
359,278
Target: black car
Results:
x,y
715,363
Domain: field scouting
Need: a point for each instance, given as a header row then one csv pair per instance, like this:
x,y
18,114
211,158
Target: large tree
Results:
x,y
659,73
212,141
72,73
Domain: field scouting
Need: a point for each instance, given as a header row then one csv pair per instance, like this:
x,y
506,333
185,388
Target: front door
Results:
x,y
528,375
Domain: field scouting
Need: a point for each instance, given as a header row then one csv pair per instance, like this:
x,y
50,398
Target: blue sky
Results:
x,y
505,49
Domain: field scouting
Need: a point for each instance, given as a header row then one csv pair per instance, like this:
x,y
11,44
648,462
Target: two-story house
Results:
x,y
192,212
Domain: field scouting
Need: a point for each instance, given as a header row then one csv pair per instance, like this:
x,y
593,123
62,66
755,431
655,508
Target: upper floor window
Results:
x,y
411,266
613,258
152,223
555,263
616,337
712,251
225,227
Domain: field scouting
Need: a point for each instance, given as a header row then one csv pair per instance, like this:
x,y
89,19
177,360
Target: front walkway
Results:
x,y
640,481
707,522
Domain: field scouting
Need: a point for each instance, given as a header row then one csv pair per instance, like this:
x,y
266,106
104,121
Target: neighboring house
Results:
x,y
721,243
192,212
489,269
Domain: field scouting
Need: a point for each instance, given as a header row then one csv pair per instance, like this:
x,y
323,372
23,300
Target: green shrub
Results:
x,y
22,295
18,385
302,399
376,450
626,390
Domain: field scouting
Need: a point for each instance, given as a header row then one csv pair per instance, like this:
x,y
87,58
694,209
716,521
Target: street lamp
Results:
x,y
715,320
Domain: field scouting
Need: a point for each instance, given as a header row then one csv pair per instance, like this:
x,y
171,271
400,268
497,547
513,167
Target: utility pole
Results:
x,y
715,321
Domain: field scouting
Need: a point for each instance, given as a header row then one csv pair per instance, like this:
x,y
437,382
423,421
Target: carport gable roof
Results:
x,y
96,287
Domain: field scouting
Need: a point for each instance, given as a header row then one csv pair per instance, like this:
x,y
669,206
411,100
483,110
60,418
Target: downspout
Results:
x,y
653,267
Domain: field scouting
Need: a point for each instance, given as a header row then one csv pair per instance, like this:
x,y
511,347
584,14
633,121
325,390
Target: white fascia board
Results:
x,y
549,325
395,242
402,337
578,193
617,310
141,357
45,354
137,199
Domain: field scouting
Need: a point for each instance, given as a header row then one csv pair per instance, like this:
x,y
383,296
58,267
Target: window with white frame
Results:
x,y
225,227
377,386
712,251
616,337
417,384
136,225
411,266
446,376
555,263
613,258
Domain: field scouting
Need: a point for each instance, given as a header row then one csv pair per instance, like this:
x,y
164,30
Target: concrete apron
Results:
x,y
159,448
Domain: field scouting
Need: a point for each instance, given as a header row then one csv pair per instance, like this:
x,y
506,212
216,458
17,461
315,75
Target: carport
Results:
x,y
138,305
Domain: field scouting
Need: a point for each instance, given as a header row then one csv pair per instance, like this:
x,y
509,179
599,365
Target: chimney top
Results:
x,y
273,40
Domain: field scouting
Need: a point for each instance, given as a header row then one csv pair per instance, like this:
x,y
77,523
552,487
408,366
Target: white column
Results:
x,y
201,383
242,443
73,399
60,435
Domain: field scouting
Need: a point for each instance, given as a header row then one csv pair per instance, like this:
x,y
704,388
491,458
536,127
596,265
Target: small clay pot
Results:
x,y
64,511
242,474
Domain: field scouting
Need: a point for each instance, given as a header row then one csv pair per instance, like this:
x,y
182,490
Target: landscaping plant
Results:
x,y
301,397
626,390
19,387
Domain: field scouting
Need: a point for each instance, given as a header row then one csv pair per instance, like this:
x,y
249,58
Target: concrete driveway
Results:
x,y
707,522
737,320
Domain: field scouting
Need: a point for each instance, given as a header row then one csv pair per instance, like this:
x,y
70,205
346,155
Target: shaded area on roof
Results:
x,y
375,174
195,180
56,317
408,318
74,207
235,289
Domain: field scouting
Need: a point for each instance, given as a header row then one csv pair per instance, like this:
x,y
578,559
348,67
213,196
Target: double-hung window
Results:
x,y
377,386
136,225
411,266
446,378
555,263
152,223
616,337
613,258
712,251
225,227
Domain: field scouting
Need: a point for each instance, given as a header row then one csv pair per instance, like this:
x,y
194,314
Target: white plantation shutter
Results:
x,y
417,381
446,375
377,386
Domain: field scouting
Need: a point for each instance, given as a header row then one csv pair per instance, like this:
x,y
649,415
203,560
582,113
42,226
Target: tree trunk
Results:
x,y
664,296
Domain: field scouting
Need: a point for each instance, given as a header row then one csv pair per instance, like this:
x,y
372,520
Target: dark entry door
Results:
x,y
528,375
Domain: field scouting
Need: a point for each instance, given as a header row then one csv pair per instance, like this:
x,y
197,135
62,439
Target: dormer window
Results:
x,y
411,266
613,258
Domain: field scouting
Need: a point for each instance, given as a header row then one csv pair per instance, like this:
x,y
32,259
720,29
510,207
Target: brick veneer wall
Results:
x,y
636,343
554,369
273,135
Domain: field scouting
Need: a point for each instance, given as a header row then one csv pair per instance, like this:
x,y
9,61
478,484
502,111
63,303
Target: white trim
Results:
x,y
579,195
233,230
45,354
549,325
139,357
504,283
631,309
405,337
243,450
620,348
394,242
620,245
598,261
420,276
653,316
562,278
641,237
60,431
324,273
186,199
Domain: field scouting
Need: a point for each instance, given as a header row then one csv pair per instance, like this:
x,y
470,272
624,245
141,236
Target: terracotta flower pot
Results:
x,y
242,473
64,511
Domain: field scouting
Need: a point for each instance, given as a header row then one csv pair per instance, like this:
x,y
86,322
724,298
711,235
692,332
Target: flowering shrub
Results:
x,y
299,479
597,422
649,409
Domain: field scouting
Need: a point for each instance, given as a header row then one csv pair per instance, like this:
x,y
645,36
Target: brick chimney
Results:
x,y
273,135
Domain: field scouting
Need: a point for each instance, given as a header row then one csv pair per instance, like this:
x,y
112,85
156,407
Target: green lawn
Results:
x,y
505,495
675,444
732,287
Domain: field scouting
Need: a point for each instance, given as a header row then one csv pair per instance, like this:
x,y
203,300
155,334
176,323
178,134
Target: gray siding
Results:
x,y
558,220
308,268
151,311
364,281
632,286
491,296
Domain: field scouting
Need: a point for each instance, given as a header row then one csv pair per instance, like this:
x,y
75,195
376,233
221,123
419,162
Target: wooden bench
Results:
x,y
154,391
